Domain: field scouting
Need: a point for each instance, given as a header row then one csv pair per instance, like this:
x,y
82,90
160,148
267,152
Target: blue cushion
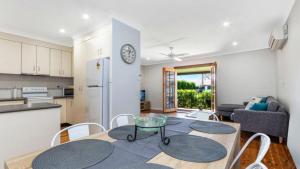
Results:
x,y
263,100
259,106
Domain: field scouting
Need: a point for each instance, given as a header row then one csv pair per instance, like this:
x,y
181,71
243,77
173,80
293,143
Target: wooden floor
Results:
x,y
278,156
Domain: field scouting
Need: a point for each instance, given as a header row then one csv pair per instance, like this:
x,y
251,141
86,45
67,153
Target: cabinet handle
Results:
x,y
33,68
38,68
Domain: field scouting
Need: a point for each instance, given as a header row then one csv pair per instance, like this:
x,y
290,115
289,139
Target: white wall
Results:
x,y
289,80
125,77
141,77
239,77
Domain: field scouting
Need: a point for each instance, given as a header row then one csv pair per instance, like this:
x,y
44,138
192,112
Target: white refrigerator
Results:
x,y
97,75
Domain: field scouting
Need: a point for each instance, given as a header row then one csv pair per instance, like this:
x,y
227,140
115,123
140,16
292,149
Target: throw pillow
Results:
x,y
249,105
259,107
263,100
256,99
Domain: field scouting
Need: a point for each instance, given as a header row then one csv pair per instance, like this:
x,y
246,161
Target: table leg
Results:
x,y
164,139
131,138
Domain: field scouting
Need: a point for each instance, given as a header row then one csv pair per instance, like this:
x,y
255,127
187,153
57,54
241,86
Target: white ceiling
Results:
x,y
197,25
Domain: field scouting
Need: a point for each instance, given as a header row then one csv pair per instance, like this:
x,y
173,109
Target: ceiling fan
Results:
x,y
174,56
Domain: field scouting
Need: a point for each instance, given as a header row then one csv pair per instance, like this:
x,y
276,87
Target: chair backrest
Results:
x,y
257,166
214,116
77,131
121,120
264,147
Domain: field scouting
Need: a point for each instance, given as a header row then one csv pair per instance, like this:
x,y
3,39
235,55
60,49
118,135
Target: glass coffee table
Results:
x,y
150,124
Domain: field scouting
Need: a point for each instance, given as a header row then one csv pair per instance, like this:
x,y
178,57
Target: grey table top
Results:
x,y
27,107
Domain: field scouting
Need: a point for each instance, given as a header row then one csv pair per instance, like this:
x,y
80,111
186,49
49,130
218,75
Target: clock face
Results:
x,y
128,53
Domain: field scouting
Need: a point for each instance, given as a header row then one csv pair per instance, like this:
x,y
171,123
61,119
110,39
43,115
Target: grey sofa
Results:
x,y
273,122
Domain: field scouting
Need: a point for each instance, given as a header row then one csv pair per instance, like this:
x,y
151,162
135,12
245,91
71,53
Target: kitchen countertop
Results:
x,y
61,97
12,99
24,99
27,107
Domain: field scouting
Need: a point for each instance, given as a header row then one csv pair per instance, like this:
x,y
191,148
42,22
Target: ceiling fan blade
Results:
x,y
164,54
181,54
175,40
166,43
177,59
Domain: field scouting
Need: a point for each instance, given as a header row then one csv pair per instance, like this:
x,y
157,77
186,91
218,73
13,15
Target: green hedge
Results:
x,y
193,99
182,84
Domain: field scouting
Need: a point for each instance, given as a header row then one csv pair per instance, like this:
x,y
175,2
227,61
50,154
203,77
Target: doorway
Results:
x,y
190,87
196,86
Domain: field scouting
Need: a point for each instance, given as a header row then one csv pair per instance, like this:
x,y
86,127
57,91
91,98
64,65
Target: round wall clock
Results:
x,y
128,53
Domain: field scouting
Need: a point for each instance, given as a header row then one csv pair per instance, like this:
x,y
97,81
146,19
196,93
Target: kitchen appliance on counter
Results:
x,y
36,95
98,91
69,91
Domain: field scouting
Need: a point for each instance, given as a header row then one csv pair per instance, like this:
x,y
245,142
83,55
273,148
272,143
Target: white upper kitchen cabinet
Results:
x,y
66,64
60,63
10,57
55,62
43,61
28,59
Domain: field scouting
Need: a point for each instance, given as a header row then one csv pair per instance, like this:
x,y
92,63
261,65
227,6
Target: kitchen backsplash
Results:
x,y
54,84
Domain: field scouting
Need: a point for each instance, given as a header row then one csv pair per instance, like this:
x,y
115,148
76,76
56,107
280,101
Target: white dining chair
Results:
x,y
203,115
214,116
77,131
264,147
121,120
257,166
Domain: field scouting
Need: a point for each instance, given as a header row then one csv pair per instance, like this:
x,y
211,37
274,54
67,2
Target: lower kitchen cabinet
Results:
x,y
70,103
66,109
63,109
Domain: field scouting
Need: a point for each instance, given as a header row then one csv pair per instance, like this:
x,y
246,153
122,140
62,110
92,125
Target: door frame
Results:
x,y
214,80
165,109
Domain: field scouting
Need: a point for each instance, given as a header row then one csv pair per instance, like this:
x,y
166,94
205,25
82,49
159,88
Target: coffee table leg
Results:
x,y
131,138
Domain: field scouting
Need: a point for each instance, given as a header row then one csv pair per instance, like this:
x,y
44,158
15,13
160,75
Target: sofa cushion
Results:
x,y
273,106
281,108
270,99
259,106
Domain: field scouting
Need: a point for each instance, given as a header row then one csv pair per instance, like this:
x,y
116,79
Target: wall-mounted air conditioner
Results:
x,y
278,38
